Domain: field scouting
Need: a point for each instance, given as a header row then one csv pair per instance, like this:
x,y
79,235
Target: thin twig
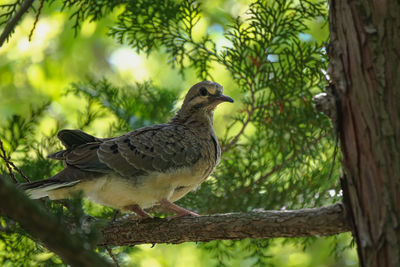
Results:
x,y
249,116
250,111
3,155
112,256
236,138
279,166
9,28
36,20
10,164
268,174
20,172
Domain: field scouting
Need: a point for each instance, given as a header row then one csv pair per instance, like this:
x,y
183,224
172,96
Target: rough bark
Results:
x,y
365,70
261,224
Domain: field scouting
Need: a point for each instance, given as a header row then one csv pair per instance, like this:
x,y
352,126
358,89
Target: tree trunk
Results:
x,y
365,71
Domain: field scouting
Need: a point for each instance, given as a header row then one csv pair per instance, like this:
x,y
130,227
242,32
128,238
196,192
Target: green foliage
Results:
x,y
18,129
16,246
277,149
91,10
8,10
168,24
133,106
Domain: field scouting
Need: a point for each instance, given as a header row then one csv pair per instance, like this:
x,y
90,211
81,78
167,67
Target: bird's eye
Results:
x,y
203,91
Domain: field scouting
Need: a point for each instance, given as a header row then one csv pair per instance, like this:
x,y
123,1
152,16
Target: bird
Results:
x,y
150,166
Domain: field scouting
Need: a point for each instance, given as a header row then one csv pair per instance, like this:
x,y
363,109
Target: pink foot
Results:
x,y
138,210
180,212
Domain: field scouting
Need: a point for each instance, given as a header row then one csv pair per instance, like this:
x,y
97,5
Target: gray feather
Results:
x,y
151,149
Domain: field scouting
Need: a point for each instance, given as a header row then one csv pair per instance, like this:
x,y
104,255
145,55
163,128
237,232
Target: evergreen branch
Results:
x,y
10,165
45,227
11,9
9,28
241,131
90,10
322,221
278,167
6,160
249,114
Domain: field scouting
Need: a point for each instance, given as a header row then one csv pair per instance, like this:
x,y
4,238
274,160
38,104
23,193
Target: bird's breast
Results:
x,y
147,190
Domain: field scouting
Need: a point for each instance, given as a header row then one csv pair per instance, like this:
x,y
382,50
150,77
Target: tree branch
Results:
x,y
321,221
40,224
8,29
324,221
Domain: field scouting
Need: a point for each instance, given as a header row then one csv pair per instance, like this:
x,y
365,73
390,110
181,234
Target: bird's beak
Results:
x,y
224,98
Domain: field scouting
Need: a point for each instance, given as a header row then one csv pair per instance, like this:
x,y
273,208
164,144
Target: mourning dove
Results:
x,y
155,165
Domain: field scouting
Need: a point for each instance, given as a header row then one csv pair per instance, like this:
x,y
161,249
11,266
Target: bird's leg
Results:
x,y
169,206
138,210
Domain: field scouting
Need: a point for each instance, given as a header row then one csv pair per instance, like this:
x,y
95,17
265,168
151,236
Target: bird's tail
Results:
x,y
40,189
66,178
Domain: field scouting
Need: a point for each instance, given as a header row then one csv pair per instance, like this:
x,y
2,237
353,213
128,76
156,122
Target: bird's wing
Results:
x,y
155,148
81,151
73,138
85,158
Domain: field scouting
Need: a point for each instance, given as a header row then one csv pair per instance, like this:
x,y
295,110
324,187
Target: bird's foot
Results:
x,y
180,212
138,210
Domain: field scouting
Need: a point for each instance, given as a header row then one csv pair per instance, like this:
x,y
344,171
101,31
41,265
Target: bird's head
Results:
x,y
202,99
204,95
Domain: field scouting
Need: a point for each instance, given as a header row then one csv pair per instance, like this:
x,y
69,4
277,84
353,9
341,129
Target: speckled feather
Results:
x,y
144,166
156,148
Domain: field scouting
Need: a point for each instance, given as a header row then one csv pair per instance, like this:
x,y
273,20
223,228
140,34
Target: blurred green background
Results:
x,y
42,70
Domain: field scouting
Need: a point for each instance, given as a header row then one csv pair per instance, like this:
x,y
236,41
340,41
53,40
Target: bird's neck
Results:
x,y
199,119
